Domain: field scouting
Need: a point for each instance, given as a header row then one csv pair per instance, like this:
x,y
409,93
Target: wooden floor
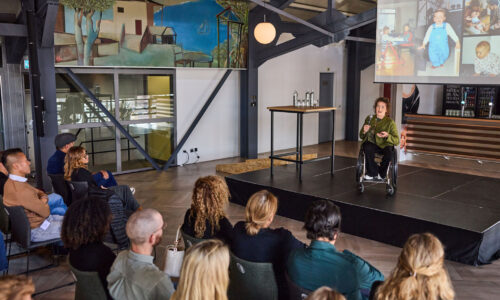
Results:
x,y
170,193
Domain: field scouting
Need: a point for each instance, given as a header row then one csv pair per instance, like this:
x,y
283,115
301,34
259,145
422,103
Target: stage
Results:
x,y
462,210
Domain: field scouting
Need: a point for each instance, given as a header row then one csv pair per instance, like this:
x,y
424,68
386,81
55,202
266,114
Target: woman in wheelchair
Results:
x,y
379,134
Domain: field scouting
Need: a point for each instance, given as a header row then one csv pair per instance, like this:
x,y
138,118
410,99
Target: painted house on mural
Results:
x,y
127,25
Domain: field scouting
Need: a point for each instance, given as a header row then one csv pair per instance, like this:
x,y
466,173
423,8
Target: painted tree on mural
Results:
x,y
87,9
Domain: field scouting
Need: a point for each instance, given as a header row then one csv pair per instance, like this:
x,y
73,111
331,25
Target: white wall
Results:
x,y
368,93
217,134
298,70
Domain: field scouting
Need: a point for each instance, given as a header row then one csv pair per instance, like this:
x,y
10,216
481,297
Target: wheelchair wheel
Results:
x,y
394,170
360,166
390,189
361,187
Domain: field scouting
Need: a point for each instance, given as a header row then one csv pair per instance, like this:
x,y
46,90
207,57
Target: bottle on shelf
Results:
x,y
308,99
313,100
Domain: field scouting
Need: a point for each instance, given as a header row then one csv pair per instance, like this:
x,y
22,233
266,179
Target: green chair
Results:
x,y
250,280
189,240
88,286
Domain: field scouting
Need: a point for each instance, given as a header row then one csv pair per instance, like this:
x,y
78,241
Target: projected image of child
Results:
x,y
474,24
437,37
486,63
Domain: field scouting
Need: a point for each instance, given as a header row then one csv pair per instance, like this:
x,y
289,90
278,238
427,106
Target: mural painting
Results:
x,y
152,33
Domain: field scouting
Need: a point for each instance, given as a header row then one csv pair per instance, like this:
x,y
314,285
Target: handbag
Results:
x,y
174,257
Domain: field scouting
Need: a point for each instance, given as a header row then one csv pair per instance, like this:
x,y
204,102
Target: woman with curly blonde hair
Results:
x,y
16,288
204,273
420,272
206,218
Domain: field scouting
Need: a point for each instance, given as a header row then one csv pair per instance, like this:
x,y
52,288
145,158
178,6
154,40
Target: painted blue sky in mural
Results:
x,y
195,24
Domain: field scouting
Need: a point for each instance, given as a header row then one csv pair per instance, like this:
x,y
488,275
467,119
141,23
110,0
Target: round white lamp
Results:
x,y
264,32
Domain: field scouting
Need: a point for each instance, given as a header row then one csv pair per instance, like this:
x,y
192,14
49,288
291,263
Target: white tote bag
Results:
x,y
174,258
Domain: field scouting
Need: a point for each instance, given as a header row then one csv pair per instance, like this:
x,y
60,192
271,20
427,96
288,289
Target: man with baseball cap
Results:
x,y
55,165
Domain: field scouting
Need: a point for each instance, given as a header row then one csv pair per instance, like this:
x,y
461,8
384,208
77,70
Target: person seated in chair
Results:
x,y
254,240
75,169
321,264
379,134
206,218
44,211
83,229
55,165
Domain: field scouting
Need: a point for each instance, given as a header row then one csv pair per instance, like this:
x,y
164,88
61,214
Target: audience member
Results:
x,y
44,212
16,288
321,264
84,226
204,274
4,175
75,169
325,293
254,241
55,165
419,273
133,274
206,217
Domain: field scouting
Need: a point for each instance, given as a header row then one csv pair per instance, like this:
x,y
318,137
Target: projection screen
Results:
x,y
438,41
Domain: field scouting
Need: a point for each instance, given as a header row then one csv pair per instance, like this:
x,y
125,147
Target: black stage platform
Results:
x,y
462,210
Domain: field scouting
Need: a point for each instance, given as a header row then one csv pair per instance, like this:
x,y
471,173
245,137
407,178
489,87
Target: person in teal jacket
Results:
x,y
379,134
321,264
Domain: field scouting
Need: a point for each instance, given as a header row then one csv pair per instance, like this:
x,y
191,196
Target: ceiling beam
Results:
x,y
292,17
11,29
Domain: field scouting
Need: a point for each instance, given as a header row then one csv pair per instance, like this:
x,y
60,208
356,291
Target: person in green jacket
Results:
x,y
379,134
321,264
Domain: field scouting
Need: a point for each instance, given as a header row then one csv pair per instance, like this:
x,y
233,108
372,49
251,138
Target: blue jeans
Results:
x,y
99,179
3,255
56,204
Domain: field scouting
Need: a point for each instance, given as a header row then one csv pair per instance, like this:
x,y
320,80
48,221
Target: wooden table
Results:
x,y
300,111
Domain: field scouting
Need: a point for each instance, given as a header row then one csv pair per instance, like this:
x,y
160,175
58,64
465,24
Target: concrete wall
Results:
x,y
299,70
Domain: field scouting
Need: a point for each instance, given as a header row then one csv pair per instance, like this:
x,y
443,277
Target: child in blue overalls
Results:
x,y
437,37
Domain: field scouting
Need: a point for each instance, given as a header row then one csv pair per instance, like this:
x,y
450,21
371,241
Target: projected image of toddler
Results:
x,y
485,62
437,38
475,24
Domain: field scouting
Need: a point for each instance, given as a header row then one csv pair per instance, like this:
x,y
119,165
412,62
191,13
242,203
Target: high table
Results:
x,y
300,111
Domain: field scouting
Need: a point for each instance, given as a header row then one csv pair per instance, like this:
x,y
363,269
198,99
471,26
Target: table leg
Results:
x,y
272,142
297,143
301,134
332,156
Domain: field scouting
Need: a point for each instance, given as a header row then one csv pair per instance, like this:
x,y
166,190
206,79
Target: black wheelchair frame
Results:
x,y
390,179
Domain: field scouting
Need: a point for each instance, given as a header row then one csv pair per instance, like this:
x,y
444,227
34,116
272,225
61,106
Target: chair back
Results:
x,y
250,280
21,232
296,292
88,286
190,240
79,189
4,218
60,187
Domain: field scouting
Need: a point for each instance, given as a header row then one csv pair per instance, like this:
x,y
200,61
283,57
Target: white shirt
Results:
x,y
449,30
18,178
490,65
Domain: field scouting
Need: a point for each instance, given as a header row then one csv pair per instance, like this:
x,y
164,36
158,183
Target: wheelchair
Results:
x,y
390,179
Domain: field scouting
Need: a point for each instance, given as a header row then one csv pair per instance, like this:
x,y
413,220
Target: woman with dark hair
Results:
x,y
85,224
206,218
321,264
379,134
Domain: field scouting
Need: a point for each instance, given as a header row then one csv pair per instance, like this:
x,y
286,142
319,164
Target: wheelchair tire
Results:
x,y
359,166
390,190
361,187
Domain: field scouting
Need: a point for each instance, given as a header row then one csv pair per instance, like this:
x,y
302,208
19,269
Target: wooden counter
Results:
x,y
454,136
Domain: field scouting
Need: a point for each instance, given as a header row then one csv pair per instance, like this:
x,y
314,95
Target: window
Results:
x,y
120,9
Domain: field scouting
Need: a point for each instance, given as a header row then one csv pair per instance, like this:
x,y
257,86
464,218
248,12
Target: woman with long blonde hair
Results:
x,y
207,218
419,273
204,273
254,241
